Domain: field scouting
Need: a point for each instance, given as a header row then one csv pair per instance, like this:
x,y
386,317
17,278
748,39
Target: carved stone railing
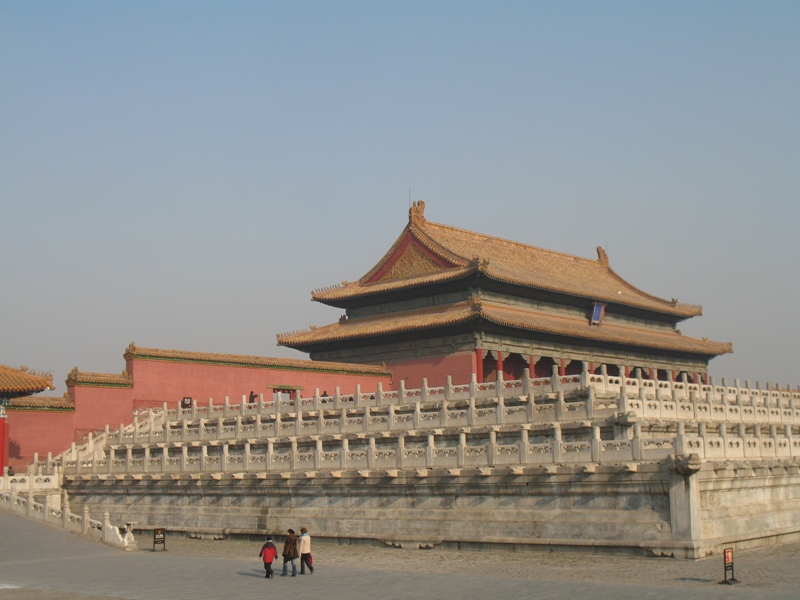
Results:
x,y
55,511
557,399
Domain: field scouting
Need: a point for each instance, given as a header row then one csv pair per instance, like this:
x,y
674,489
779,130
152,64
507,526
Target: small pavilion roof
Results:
x,y
23,382
503,315
428,253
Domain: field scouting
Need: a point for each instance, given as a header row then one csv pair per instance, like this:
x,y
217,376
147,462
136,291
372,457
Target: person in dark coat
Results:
x,y
290,553
269,553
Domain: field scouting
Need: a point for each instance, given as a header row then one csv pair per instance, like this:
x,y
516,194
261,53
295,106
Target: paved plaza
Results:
x,y
39,562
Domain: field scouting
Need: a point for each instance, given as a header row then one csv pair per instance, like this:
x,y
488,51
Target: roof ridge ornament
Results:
x,y
416,214
602,257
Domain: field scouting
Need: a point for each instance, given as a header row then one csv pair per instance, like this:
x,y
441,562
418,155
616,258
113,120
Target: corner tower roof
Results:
x,y
427,253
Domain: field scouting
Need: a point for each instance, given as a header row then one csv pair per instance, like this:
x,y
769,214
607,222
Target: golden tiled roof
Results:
x,y
22,381
449,253
253,361
502,314
46,403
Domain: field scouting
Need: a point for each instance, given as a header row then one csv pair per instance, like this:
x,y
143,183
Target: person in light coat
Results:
x,y
304,548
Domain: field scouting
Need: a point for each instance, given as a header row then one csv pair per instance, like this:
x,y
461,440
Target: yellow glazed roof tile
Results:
x,y
466,252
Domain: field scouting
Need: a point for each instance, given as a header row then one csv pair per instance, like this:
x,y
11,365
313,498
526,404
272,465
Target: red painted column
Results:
x,y
500,362
532,366
3,440
562,367
479,365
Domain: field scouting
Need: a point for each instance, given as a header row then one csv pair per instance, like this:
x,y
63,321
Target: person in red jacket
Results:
x,y
269,553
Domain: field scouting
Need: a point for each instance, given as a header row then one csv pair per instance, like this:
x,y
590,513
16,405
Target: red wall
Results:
x,y
156,382
436,369
32,431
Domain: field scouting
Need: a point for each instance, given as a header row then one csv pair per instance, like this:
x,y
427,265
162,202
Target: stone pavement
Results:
x,y
39,562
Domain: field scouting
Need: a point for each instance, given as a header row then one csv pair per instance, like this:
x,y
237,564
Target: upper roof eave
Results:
x,y
508,262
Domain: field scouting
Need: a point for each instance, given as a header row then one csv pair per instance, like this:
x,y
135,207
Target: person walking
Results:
x,y
269,553
304,548
290,553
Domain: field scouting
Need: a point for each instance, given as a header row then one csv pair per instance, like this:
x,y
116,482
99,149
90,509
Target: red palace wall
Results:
x,y
31,431
460,366
156,382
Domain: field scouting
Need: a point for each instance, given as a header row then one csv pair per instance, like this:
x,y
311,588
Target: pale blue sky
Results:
x,y
183,174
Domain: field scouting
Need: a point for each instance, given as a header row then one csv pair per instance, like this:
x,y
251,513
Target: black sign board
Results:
x,y
186,403
727,556
159,538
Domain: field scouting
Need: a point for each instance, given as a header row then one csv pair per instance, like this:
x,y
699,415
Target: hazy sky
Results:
x,y
183,174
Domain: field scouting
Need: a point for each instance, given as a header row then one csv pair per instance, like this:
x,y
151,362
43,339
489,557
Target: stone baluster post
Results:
x,y
366,422
371,453
500,386
226,407
555,379
269,461
461,451
604,377
223,462
164,458
357,400
379,394
471,414
391,419
590,400
526,384
110,465
680,439
320,420
239,429
595,444
64,509
203,458
344,452
557,449
400,452
417,415
637,444
500,411
524,445
298,418
85,520
194,410
423,391
128,459
318,455
491,448
430,451
473,385
184,458
623,391
136,439
146,460
448,388
293,454
443,413
560,406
